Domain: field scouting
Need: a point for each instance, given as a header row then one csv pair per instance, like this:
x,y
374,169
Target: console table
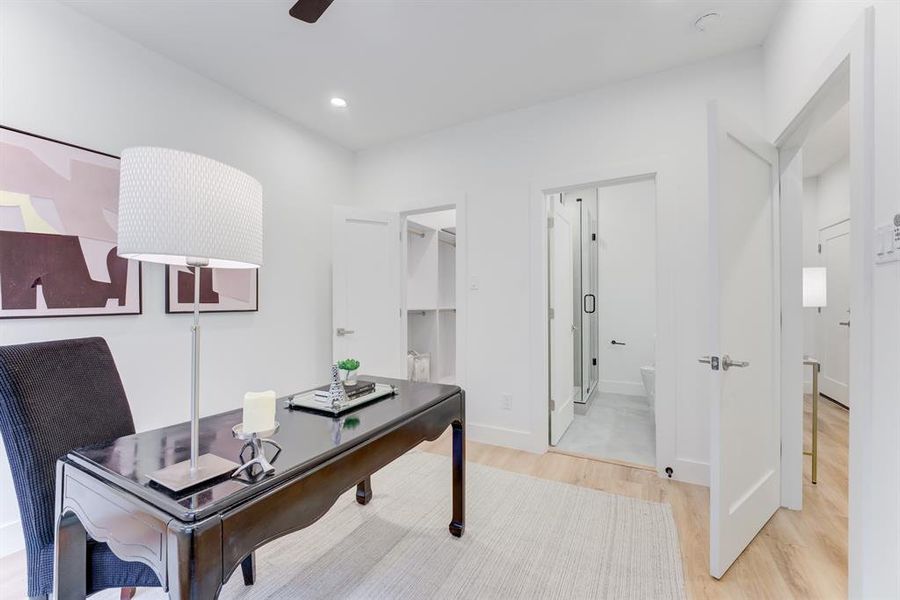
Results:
x,y
194,541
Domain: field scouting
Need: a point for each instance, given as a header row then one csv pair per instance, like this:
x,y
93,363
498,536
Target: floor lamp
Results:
x,y
182,209
815,295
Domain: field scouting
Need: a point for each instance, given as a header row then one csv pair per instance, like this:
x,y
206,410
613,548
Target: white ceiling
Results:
x,y
408,67
828,144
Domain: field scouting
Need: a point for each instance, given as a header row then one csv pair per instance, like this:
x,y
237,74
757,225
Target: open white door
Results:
x,y
366,312
744,352
562,320
833,323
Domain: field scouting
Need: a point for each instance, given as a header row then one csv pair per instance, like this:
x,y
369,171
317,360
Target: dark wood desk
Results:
x,y
195,541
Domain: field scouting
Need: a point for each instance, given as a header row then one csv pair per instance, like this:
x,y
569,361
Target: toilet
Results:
x,y
648,377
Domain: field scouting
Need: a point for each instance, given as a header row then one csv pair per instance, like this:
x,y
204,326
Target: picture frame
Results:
x,y
221,290
58,231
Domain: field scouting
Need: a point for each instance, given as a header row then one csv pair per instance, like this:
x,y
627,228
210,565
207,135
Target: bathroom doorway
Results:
x,y
605,234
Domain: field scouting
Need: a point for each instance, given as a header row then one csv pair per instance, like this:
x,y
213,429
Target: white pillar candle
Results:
x,y
259,411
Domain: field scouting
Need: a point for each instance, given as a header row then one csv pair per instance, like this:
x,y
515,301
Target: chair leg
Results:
x,y
127,593
248,568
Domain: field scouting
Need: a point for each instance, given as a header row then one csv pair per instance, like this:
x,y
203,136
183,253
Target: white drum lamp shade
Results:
x,y
183,209
815,287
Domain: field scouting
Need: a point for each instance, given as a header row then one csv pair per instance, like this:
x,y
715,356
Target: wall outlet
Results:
x,y
506,401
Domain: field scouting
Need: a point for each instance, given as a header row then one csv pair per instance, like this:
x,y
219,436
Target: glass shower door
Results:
x,y
590,331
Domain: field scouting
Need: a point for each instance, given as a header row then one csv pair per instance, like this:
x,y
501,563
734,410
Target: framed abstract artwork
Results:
x,y
221,290
58,227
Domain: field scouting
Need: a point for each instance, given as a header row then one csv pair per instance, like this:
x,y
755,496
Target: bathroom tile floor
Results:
x,y
615,426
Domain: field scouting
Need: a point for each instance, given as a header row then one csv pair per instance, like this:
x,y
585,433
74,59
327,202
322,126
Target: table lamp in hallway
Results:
x,y
182,209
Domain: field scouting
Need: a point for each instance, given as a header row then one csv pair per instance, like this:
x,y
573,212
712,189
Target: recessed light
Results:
x,y
338,102
707,21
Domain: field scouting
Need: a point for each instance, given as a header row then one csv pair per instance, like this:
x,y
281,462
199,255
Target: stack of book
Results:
x,y
360,388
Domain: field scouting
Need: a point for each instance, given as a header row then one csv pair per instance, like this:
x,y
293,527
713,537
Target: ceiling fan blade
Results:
x,y
309,10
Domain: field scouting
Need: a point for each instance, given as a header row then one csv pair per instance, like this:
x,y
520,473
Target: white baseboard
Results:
x,y
690,471
627,388
11,538
502,436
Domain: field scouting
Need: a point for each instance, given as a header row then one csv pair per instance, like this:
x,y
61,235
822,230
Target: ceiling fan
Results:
x,y
309,10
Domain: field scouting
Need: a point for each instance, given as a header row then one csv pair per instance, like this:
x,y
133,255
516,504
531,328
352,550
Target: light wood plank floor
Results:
x,y
796,555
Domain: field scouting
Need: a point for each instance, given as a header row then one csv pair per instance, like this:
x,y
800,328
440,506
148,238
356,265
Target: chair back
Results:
x,y
55,397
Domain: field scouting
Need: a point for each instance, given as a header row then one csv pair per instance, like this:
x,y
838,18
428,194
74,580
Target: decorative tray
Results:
x,y
311,402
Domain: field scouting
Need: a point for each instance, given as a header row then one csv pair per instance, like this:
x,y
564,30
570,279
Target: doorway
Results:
x,y
825,156
602,320
399,304
429,253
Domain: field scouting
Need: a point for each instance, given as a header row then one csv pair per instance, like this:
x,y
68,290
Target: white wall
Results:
x,y
803,38
833,194
498,160
626,302
68,78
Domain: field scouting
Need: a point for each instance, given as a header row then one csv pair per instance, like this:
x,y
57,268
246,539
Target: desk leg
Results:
x,y
70,558
70,549
248,569
458,524
364,491
195,559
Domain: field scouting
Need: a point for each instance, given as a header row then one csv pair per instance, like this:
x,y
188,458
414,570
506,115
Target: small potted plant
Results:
x,y
348,368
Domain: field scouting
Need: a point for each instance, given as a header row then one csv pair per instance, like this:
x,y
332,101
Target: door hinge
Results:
x,y
552,313
549,222
593,237
552,405
594,362
820,248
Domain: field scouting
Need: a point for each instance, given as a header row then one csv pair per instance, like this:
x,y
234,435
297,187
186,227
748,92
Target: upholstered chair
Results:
x,y
55,397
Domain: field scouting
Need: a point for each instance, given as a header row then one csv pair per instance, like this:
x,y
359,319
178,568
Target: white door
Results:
x,y
366,291
745,421
833,323
562,321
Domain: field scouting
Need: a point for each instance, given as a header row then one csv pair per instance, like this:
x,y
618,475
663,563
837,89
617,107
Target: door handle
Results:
x,y
341,331
727,363
712,361
615,343
845,323
593,303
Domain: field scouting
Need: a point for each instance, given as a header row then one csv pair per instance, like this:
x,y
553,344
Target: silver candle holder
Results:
x,y
255,441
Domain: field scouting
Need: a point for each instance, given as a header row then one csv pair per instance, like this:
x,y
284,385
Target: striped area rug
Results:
x,y
525,538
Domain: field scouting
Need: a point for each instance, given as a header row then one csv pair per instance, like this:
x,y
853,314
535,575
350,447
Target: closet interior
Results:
x,y
431,296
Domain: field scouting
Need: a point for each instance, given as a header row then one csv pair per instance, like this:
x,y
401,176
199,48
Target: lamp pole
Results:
x,y
197,264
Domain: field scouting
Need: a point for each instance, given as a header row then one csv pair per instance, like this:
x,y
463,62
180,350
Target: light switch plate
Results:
x,y
887,242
